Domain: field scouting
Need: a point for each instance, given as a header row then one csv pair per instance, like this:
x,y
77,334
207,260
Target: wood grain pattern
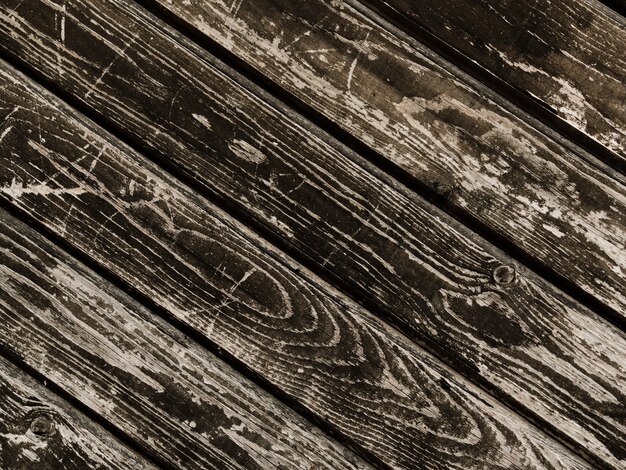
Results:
x,y
373,240
174,399
378,390
38,430
554,207
570,55
557,209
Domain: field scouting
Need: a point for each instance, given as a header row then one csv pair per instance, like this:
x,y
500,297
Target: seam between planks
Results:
x,y
60,392
483,186
282,100
284,256
513,98
60,412
193,334
461,67
447,60
140,315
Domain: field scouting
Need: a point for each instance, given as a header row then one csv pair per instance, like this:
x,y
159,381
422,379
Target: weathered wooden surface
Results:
x,y
431,125
38,430
376,242
570,55
174,399
376,389
552,206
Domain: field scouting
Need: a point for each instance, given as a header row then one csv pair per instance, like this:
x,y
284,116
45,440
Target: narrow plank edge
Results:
x,y
324,353
171,396
553,194
39,430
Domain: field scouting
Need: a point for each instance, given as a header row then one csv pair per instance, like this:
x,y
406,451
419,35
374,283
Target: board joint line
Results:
x,y
315,122
519,98
188,331
402,177
75,403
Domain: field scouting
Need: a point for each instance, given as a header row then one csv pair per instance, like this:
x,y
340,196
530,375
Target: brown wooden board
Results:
x,y
569,55
39,430
435,282
431,125
381,393
494,168
175,400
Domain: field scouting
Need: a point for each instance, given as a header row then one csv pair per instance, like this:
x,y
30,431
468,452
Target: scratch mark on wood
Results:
x,y
246,151
202,120
344,365
17,190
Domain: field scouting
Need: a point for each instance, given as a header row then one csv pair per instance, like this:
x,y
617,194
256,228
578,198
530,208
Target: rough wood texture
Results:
x,y
554,207
174,399
570,55
38,430
378,390
546,201
379,244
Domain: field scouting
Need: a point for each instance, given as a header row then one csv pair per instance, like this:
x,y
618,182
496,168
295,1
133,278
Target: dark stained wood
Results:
x,y
554,207
38,430
174,399
381,245
437,129
570,55
375,388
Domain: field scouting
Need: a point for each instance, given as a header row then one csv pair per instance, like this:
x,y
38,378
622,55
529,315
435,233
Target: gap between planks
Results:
x,y
185,329
41,430
72,406
510,82
476,223
153,183
138,382
479,226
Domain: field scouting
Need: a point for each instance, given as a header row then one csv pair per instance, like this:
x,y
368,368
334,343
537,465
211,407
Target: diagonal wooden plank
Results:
x,y
39,430
382,393
377,243
176,401
556,209
568,55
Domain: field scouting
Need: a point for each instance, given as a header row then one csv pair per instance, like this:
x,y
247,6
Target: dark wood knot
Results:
x,y
504,275
42,425
444,190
